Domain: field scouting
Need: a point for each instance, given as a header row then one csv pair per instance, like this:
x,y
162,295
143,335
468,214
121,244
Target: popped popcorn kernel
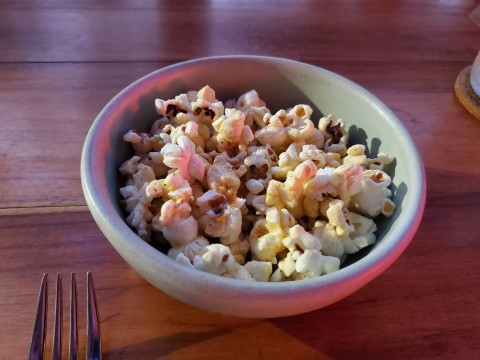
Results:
x,y
259,270
265,244
172,107
217,259
299,126
335,134
221,177
176,224
299,238
188,251
290,193
273,133
249,100
313,263
337,215
182,156
219,218
374,195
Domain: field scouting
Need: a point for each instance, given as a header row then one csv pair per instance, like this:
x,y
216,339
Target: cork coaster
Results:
x,y
465,93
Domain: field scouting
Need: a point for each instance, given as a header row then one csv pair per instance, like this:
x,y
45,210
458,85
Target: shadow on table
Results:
x,y
165,345
334,332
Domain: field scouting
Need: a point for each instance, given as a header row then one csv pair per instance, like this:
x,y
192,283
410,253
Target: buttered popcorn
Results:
x,y
238,191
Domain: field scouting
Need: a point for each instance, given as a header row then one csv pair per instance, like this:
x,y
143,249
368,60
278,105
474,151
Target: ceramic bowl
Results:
x,y
281,83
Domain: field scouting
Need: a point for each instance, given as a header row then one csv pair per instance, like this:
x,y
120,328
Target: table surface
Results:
x,y
62,60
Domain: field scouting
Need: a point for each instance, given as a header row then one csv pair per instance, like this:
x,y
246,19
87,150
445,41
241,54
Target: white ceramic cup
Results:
x,y
475,75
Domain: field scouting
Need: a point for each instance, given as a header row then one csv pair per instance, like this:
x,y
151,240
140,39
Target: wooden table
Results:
x,y
62,60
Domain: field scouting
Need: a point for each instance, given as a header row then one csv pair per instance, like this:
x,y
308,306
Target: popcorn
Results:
x,y
222,178
174,219
240,192
140,141
335,135
231,130
308,264
255,186
188,251
266,237
298,237
219,218
158,126
316,139
135,199
130,166
182,156
259,270
362,226
300,127
206,106
295,154
288,161
258,166
331,242
174,187
176,224
173,106
311,152
218,260
347,179
316,189
131,197
140,217
274,133
287,265
337,215
313,263
343,182
333,159
374,195
279,221
156,163
249,100
290,193
240,249
339,246
265,245
379,162
189,129
258,202
363,234
254,117
356,155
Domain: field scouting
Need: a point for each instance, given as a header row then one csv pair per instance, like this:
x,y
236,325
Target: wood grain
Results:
x,y
67,31
415,302
61,61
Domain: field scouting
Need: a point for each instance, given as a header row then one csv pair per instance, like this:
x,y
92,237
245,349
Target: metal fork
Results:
x,y
94,343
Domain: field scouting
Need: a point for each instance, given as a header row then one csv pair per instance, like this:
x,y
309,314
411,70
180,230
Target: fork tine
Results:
x,y
38,337
57,330
94,343
73,341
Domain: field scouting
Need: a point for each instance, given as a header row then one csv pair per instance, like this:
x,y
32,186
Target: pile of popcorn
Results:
x,y
242,192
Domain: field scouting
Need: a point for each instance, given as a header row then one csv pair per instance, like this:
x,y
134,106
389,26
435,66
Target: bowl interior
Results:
x,y
281,84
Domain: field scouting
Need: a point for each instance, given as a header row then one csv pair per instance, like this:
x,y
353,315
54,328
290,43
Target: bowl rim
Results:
x,y
368,267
